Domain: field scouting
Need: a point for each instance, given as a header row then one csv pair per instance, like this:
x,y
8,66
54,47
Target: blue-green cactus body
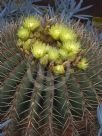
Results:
x,y
41,102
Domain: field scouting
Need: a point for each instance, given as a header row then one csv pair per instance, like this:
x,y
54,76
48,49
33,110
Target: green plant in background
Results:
x,y
50,78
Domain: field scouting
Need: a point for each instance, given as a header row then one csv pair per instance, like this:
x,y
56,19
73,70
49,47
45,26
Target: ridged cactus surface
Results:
x,y
51,79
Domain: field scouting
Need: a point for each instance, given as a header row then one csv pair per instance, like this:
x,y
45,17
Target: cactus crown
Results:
x,y
55,40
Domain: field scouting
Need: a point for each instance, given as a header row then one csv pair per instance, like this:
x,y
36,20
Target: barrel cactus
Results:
x,y
50,78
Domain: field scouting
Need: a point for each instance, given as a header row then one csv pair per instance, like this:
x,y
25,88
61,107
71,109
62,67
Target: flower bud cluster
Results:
x,y
62,48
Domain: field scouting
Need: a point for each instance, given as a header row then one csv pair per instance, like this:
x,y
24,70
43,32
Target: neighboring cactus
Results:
x,y
53,86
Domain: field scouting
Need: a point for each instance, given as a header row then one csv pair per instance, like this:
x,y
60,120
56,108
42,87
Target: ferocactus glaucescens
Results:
x,y
52,44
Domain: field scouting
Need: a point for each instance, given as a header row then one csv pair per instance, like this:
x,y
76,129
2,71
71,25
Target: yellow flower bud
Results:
x,y
31,23
83,64
38,49
23,34
72,49
63,54
55,31
53,54
59,69
67,34
44,60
